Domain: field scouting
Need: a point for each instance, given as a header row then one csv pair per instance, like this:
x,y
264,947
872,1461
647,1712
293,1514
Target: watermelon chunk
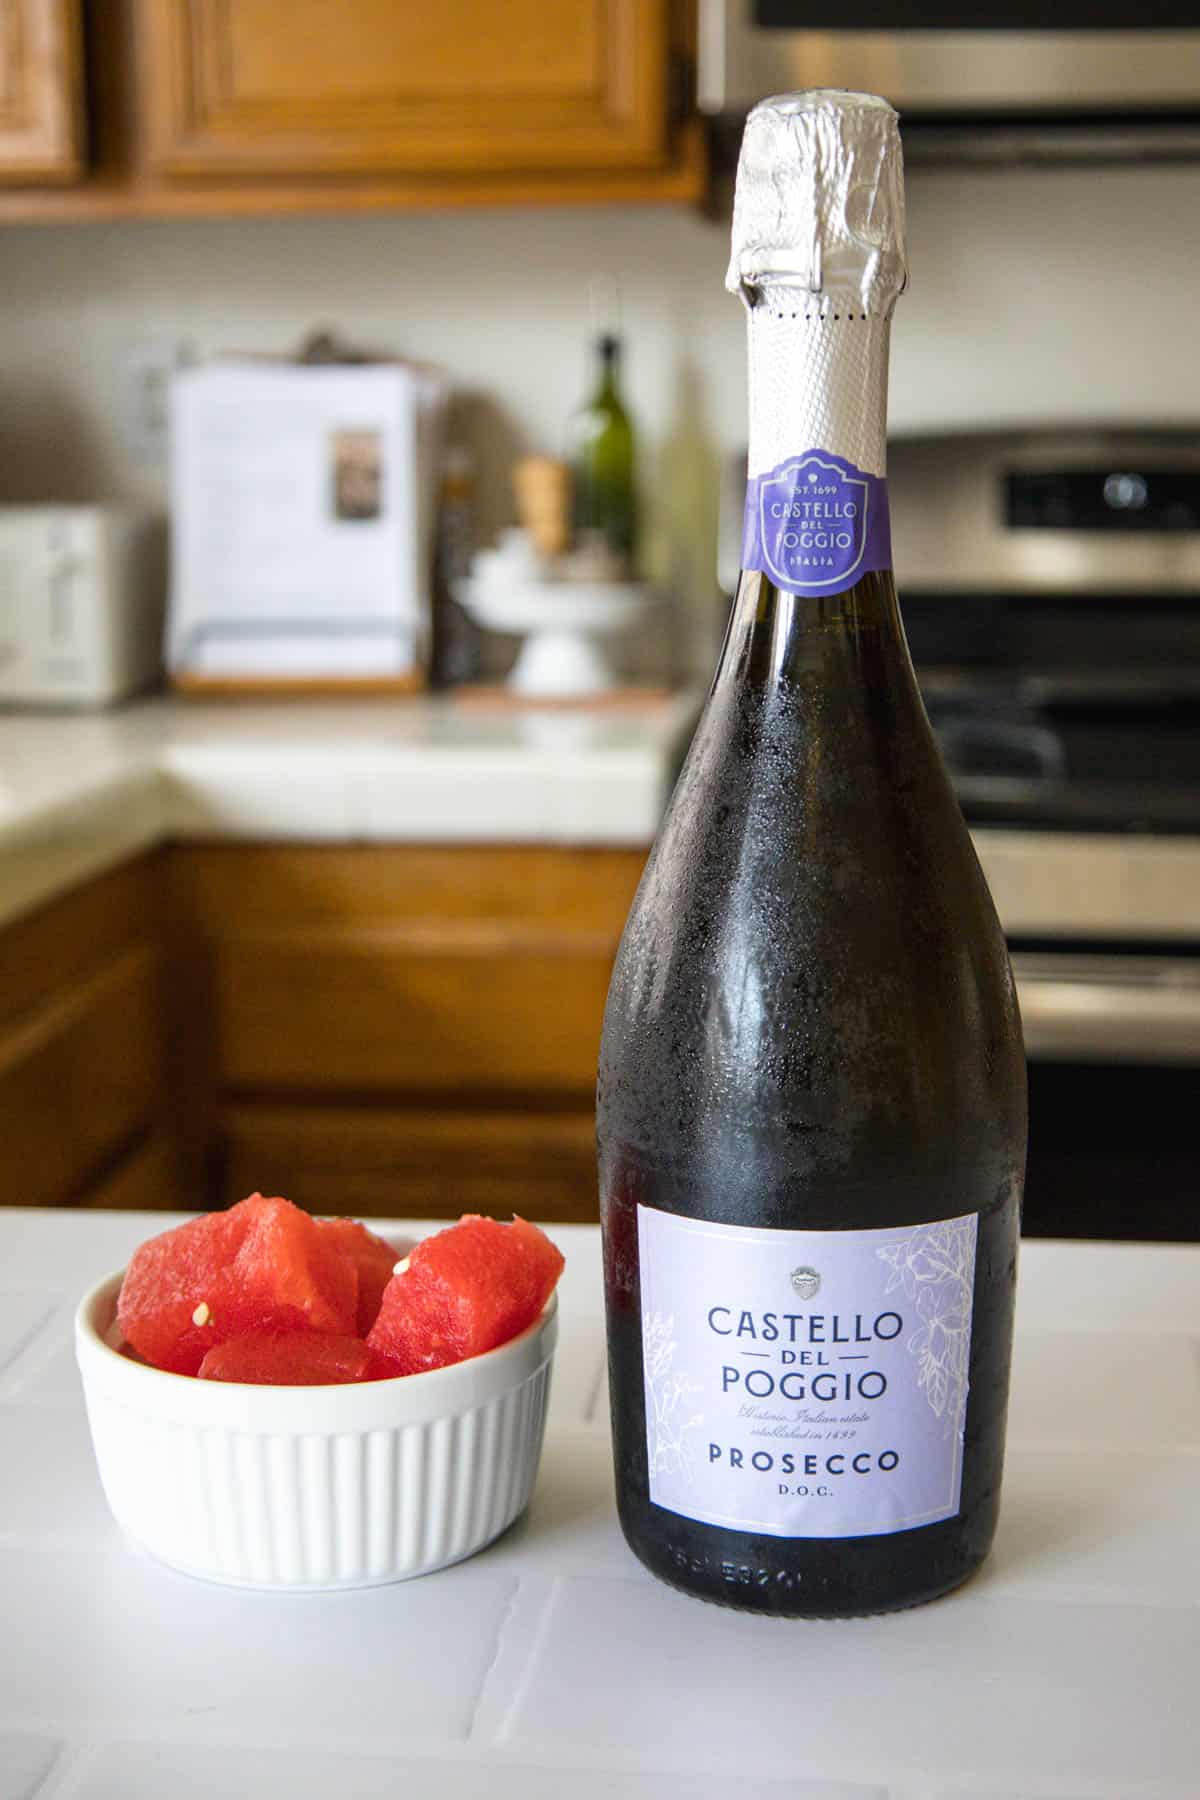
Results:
x,y
287,1359
466,1290
373,1259
262,1265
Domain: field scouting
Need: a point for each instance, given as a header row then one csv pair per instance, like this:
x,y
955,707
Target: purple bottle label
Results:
x,y
806,1384
816,523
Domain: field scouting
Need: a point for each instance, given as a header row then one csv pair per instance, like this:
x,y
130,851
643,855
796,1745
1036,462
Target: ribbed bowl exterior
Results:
x,y
315,1488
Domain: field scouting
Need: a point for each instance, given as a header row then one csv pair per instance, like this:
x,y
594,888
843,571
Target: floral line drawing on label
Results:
x,y
667,1390
934,1267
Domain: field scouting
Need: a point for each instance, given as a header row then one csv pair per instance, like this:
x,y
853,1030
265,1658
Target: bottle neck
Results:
x,y
818,381
776,637
816,499
610,370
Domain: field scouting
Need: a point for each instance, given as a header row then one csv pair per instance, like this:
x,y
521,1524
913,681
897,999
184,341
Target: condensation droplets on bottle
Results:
x,y
811,1110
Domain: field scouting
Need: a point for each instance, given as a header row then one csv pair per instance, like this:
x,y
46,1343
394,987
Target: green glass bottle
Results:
x,y
604,509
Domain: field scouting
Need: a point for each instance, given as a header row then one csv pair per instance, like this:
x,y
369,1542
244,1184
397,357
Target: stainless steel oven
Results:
x,y
977,82
1050,584
1051,592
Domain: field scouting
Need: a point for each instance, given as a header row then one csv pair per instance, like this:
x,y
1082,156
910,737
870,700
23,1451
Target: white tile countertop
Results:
x,y
553,1665
80,793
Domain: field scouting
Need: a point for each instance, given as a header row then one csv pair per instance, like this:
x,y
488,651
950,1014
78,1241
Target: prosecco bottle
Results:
x,y
811,1110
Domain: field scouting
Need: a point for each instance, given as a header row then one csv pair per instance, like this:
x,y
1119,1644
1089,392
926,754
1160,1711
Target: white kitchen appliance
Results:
x,y
302,512
81,604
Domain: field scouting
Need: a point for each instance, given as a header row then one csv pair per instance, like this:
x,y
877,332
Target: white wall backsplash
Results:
x,y
1035,296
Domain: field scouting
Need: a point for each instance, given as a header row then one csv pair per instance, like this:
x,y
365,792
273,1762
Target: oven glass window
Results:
x,y
1113,1152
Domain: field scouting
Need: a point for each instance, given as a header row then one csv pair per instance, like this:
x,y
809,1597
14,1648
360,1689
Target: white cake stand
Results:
x,y
566,626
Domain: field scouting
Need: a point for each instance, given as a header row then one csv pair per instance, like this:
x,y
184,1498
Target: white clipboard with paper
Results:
x,y
303,504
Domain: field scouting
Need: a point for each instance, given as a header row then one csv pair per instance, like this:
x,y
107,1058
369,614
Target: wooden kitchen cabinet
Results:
x,y
214,107
144,1179
403,1030
83,1085
382,1030
41,92
475,972
379,1030
413,1162
366,87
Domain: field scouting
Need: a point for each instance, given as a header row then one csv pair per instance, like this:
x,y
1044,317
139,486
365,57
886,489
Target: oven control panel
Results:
x,y
1105,498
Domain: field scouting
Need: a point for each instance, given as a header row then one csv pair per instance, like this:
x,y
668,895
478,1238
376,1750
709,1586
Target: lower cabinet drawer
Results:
x,y
478,1011
144,1179
399,1030
392,1162
80,1077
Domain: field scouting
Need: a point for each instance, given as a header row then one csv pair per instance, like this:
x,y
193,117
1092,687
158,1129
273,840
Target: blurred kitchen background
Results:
x,y
410,325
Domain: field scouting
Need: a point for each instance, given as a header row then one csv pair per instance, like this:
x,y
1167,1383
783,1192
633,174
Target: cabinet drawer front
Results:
x,y
144,1180
474,1012
399,1163
262,887
41,104
368,86
49,952
79,1079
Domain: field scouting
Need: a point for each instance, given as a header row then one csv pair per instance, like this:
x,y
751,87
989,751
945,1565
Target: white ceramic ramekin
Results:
x,y
314,1488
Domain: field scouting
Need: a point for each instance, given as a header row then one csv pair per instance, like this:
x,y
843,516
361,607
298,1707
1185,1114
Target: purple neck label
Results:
x,y
816,524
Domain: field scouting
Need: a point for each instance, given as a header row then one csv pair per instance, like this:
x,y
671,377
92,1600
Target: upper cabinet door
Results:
x,y
41,113
374,87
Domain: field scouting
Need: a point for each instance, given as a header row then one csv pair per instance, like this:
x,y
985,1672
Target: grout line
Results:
x,y
1073,1446
492,1759
502,1625
53,1303
61,1779
519,1688
596,1391
59,1543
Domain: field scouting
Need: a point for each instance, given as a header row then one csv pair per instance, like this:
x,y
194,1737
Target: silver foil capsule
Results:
x,y
819,204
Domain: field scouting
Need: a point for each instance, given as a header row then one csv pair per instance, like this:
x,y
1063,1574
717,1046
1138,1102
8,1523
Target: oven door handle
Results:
x,y
1134,1010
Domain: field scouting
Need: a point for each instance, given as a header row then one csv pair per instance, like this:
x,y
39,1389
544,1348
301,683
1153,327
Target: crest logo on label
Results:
x,y
806,1281
813,524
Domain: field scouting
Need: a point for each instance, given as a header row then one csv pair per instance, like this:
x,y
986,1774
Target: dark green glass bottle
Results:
x,y
811,1109
604,508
